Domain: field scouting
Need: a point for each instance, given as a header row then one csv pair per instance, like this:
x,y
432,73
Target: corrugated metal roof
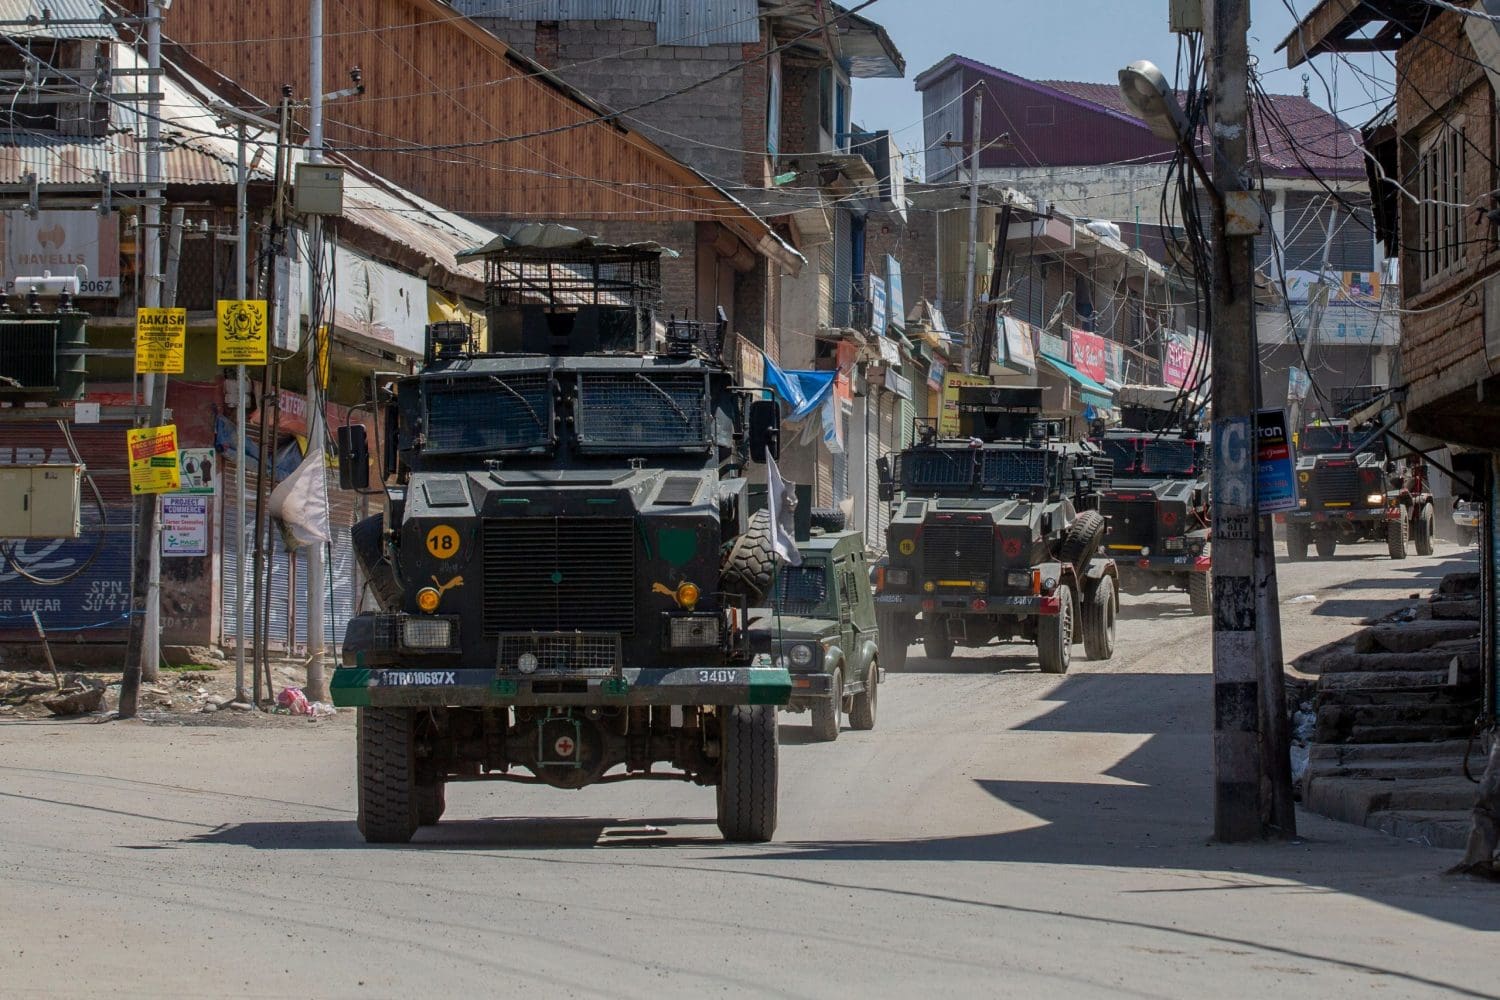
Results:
x,y
93,11
57,159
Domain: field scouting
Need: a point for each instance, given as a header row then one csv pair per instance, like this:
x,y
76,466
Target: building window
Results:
x,y
1440,189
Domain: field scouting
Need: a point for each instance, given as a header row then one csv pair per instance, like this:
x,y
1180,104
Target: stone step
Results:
x,y
1341,722
1369,752
1398,733
1390,770
1345,662
1394,680
1459,583
1443,828
1455,609
1355,800
1458,696
1409,637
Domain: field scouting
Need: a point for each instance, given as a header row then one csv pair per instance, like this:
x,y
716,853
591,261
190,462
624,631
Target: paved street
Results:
x,y
1000,833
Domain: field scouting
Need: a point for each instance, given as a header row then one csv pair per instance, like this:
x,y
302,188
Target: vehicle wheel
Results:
x,y
386,750
432,801
749,563
1297,539
829,519
895,637
1421,531
748,768
862,712
1099,621
825,712
1395,536
1054,635
936,642
1082,539
1326,543
369,550
1201,593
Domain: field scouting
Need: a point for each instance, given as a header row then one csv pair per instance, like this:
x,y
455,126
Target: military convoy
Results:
x,y
996,534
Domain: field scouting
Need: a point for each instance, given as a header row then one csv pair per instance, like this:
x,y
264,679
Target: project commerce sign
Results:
x,y
64,244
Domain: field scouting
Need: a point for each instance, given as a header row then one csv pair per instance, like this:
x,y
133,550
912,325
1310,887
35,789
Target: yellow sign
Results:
x,y
442,542
948,424
153,459
243,332
907,546
160,341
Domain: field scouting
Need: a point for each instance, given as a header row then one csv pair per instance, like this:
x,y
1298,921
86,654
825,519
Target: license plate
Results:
x,y
720,676
888,598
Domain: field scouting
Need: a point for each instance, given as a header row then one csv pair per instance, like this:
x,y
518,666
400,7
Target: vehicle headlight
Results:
x,y
1145,550
1375,500
526,663
898,577
1018,579
427,633
1049,583
801,654
1302,501
693,632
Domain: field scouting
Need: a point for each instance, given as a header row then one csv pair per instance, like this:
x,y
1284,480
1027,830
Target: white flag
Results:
x,y
782,506
301,501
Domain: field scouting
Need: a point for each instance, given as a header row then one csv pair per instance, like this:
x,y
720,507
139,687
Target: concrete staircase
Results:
x,y
1395,704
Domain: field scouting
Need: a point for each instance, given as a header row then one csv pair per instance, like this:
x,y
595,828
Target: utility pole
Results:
x,y
1246,634
975,125
151,641
146,505
317,686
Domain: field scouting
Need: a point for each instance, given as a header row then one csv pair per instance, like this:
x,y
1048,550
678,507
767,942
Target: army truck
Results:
x,y
997,535
1350,491
1157,506
821,626
566,563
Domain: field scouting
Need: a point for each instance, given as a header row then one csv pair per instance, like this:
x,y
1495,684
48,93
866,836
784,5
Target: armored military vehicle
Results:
x,y
1157,507
557,605
1350,491
996,535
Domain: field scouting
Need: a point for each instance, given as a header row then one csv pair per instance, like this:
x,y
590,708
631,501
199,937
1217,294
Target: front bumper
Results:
x,y
1335,516
461,687
1170,564
1001,605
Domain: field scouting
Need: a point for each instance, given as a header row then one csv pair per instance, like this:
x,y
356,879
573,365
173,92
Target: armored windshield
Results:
x,y
1123,452
1170,458
934,469
1014,469
489,413
636,411
801,590
1323,440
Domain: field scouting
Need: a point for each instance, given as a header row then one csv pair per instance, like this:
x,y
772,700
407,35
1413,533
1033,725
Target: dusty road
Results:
x,y
1000,834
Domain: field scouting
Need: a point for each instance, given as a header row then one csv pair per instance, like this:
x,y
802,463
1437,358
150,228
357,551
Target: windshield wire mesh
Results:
x,y
1121,453
1170,458
493,413
938,469
640,411
1322,440
800,590
1014,468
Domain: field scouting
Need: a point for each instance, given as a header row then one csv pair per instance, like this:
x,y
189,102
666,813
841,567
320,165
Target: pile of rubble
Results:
x,y
1395,705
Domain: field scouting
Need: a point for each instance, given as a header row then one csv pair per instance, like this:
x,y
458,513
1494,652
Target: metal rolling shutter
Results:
x,y
279,570
338,569
93,606
892,410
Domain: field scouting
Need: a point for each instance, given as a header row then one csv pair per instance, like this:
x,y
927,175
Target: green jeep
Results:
x,y
822,629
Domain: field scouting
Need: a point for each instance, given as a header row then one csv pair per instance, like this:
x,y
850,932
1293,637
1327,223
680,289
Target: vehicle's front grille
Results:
x,y
1335,484
1131,522
561,652
957,551
554,574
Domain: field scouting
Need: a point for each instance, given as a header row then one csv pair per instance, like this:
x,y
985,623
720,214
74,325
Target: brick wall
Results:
x,y
799,106
1442,337
679,279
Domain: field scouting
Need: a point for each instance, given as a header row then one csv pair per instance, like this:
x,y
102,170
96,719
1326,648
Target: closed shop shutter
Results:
x,y
278,571
94,605
824,491
843,267
892,408
339,598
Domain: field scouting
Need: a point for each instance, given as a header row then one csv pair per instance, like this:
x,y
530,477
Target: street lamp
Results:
x,y
1146,91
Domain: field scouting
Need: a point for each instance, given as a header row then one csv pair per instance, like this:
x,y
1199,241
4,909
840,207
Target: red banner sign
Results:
x,y
1091,354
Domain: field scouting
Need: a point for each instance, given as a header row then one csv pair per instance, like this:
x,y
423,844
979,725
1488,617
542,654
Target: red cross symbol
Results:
x,y
564,746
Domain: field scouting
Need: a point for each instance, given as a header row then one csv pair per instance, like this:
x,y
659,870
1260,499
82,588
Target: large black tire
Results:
x,y
367,538
1421,531
748,769
1054,635
1200,590
936,642
1326,544
826,711
386,750
1298,537
862,711
829,519
432,801
1082,540
750,562
1395,536
895,637
1099,621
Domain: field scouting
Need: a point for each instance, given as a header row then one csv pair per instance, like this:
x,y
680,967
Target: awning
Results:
x,y
1091,392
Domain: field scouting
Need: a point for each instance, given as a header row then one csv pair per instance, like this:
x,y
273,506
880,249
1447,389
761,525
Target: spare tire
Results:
x,y
749,562
829,519
1083,539
367,537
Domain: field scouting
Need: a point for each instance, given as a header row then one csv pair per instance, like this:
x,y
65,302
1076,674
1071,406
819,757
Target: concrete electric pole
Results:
x,y
974,139
317,685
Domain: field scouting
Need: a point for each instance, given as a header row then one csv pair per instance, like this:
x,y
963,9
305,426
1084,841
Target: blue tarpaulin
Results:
x,y
802,391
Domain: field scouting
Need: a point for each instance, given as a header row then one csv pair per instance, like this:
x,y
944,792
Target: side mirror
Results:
x,y
887,489
765,430
354,458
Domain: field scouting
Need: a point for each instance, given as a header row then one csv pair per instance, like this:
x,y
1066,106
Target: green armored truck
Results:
x,y
566,561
